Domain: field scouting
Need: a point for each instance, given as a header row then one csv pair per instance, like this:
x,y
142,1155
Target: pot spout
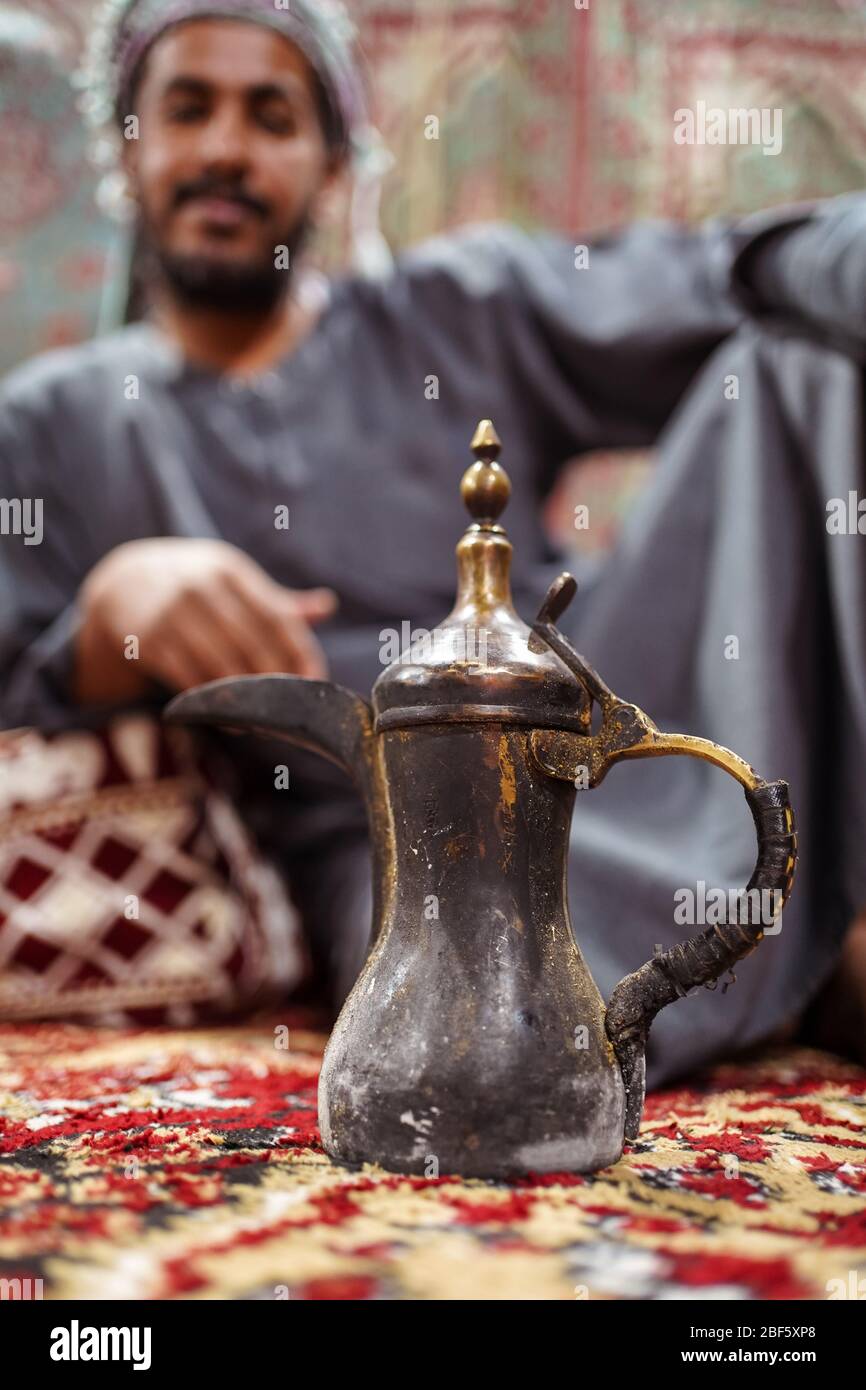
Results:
x,y
317,715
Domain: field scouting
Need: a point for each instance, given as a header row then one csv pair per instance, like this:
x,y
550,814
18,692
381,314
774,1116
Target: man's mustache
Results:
x,y
208,188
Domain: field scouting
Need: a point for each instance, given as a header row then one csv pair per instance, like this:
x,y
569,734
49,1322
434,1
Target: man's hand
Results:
x,y
199,609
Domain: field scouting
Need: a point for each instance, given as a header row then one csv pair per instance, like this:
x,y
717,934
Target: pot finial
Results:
x,y
485,486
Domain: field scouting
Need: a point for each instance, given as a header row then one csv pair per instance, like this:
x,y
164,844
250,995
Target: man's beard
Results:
x,y
249,287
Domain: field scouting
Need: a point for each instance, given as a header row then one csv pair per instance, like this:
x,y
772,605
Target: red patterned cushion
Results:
x,y
128,884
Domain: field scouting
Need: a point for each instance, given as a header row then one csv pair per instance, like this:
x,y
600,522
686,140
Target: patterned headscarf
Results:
x,y
126,29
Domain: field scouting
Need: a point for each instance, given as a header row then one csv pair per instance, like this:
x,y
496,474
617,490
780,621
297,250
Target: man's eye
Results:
x,y
190,111
278,122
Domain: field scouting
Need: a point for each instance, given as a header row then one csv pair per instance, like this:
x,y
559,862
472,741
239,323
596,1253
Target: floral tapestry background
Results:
x,y
549,113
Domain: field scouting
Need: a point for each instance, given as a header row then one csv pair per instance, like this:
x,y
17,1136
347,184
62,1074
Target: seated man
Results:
x,y
170,454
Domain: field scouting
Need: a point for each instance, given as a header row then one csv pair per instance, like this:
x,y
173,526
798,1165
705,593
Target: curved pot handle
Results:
x,y
627,732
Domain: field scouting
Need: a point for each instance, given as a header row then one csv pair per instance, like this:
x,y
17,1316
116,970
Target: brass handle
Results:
x,y
627,732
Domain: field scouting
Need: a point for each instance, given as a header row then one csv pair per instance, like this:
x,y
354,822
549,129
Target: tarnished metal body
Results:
x,y
475,1035
475,1040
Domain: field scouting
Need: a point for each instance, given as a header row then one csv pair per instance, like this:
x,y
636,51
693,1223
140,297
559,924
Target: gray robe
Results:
x,y
729,540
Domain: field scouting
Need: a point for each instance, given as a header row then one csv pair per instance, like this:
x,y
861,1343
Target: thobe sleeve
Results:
x,y
812,272
608,332
38,580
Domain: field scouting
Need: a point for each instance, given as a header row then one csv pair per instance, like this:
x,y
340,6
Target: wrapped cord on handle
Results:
x,y
702,959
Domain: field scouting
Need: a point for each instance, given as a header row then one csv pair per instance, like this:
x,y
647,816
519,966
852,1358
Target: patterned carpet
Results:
x,y
159,1164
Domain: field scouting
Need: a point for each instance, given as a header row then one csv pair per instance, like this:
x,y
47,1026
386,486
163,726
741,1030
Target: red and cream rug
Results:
x,y
159,1164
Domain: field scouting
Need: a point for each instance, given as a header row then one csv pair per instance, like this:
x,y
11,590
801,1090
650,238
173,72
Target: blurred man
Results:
x,y
170,454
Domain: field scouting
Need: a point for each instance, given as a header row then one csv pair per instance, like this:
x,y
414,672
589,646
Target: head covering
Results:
x,y
125,30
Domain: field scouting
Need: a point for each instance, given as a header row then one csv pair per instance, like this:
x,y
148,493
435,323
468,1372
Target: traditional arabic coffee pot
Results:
x,y
475,1035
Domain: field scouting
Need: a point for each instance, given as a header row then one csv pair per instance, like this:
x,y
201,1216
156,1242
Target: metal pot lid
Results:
x,y
476,665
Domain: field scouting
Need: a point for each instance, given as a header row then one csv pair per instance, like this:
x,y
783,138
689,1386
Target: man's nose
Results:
x,y
225,141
